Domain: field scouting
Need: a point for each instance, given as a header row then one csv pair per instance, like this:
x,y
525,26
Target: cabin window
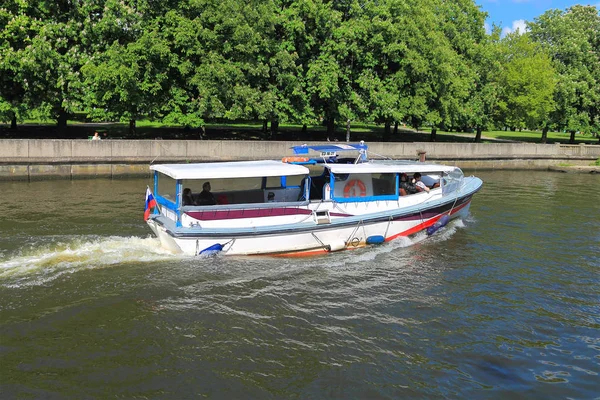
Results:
x,y
166,187
364,187
275,182
294,180
384,185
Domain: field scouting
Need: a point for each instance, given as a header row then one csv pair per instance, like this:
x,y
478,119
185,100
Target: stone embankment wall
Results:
x,y
46,159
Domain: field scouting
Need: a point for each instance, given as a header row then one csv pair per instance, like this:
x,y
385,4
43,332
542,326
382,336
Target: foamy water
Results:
x,y
40,263
44,262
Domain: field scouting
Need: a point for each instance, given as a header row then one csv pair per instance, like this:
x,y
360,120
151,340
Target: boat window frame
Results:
x,y
384,197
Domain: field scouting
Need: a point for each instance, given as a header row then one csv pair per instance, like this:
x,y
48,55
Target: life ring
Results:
x,y
353,187
294,159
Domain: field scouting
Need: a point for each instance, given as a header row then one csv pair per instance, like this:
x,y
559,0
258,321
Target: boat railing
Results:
x,y
246,206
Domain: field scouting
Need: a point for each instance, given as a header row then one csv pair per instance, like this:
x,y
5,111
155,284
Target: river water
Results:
x,y
504,303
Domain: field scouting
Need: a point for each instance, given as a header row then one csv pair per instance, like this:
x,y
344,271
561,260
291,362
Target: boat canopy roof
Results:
x,y
303,149
234,169
373,168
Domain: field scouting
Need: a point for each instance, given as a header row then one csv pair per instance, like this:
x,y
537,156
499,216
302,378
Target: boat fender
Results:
x,y
375,239
211,250
337,245
438,225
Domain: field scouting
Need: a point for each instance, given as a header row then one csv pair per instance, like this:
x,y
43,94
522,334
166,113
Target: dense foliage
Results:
x,y
420,62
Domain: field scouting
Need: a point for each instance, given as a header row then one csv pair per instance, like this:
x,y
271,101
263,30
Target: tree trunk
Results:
x,y
304,128
132,127
62,119
330,126
478,135
433,133
387,131
274,126
572,138
265,125
545,134
348,130
395,128
13,121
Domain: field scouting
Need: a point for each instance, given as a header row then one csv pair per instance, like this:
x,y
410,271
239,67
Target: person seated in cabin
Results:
x,y
406,187
270,197
205,197
187,199
429,181
421,187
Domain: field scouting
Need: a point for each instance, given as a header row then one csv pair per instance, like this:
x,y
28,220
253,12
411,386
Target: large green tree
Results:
x,y
126,76
572,38
23,51
527,82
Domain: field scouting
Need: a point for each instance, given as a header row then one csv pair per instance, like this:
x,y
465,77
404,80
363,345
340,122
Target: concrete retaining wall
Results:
x,y
47,159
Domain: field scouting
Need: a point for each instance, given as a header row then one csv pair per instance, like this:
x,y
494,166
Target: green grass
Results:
x,y
597,163
242,130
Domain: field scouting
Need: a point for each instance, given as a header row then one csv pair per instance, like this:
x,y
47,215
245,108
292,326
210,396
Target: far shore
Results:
x,y
29,159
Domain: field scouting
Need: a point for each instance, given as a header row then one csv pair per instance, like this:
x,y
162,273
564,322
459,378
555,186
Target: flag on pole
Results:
x,y
150,203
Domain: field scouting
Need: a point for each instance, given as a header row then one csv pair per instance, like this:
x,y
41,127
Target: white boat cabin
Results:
x,y
273,184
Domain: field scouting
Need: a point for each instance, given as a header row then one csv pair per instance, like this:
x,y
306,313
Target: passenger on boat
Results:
x,y
430,182
206,198
186,198
406,187
419,184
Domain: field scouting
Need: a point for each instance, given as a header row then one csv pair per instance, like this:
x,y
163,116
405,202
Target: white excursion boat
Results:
x,y
301,205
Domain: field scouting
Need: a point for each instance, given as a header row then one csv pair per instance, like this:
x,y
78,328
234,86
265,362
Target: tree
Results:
x,y
481,107
571,38
126,77
527,82
21,53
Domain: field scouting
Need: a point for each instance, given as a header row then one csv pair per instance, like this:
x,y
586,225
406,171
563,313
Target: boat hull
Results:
x,y
310,238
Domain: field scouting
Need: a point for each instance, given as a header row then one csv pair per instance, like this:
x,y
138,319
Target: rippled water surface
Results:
x,y
503,304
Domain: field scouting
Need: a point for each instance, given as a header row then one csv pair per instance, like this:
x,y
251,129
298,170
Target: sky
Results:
x,y
512,14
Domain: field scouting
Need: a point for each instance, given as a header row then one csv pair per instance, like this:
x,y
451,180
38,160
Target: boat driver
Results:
x,y
407,186
205,197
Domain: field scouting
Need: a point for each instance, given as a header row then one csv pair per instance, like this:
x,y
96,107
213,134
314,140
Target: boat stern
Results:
x,y
166,240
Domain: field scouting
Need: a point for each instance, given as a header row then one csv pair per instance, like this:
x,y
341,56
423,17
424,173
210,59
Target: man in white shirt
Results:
x,y
419,184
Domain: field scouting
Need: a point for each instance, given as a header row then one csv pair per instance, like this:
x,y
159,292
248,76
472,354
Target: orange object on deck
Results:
x,y
294,159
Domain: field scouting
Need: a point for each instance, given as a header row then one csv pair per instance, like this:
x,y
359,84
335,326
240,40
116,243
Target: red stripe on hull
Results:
x,y
426,224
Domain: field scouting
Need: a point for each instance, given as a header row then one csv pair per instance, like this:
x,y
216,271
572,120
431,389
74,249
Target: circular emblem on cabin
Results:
x,y
355,188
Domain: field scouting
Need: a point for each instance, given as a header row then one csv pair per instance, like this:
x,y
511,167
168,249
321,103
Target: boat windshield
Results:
x,y
452,181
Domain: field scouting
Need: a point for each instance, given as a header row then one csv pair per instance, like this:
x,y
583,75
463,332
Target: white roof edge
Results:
x,y
233,169
388,168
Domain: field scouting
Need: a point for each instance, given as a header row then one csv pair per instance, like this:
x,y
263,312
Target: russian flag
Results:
x,y
150,203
